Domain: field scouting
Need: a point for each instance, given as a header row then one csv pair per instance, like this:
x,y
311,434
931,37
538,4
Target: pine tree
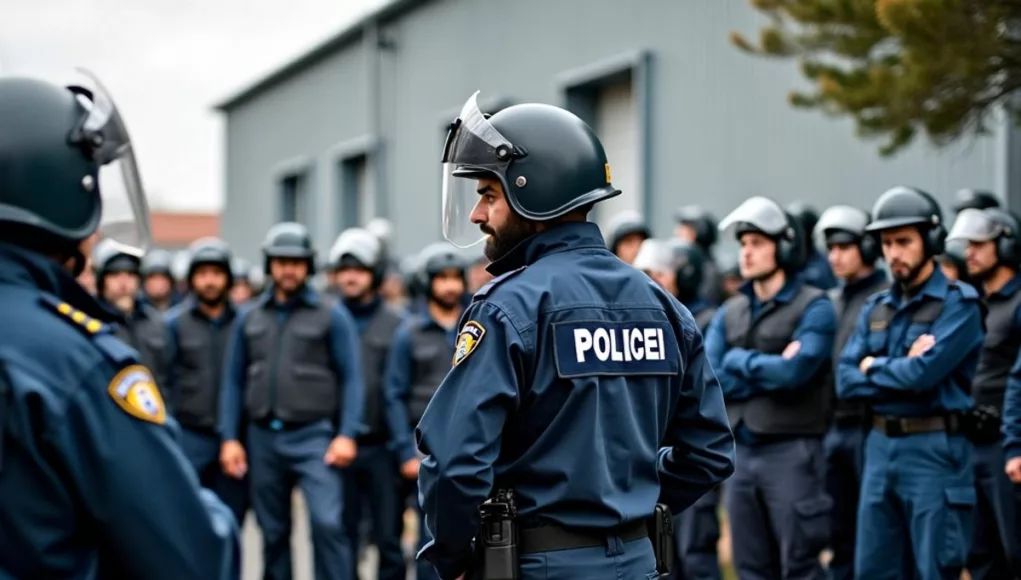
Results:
x,y
900,67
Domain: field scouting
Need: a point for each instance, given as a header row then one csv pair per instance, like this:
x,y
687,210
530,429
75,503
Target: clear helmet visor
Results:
x,y
973,225
761,212
125,218
474,149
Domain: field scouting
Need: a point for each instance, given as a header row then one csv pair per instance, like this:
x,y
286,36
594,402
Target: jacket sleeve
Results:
x,y
232,389
346,352
715,349
396,387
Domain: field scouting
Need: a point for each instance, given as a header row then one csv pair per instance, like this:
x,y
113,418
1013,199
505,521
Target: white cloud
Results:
x,y
166,63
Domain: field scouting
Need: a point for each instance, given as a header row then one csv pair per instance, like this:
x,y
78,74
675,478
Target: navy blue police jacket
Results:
x,y
938,381
93,484
579,384
1011,424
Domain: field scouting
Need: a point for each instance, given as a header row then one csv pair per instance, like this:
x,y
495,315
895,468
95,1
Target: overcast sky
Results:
x,y
166,62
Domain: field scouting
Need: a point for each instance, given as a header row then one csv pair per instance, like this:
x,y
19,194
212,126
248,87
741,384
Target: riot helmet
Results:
x,y
764,216
908,206
240,269
110,257
548,161
437,258
410,275
689,265
358,248
974,199
844,224
210,251
624,224
990,225
807,217
702,222
953,259
289,240
67,169
384,232
157,262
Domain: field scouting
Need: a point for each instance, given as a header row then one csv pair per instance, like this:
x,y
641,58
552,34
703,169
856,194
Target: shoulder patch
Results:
x,y
72,315
134,390
467,341
492,284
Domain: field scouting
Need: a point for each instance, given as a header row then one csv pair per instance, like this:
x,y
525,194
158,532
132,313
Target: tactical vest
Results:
x,y
375,341
291,374
795,412
431,353
848,311
144,331
201,347
999,350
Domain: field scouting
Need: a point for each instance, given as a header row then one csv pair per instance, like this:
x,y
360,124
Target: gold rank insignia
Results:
x,y
467,341
134,390
82,320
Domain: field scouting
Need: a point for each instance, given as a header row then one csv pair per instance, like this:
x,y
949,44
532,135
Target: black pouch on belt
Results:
x,y
661,533
498,537
982,425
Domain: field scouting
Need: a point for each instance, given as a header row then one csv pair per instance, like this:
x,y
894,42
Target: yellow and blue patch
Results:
x,y
467,341
135,391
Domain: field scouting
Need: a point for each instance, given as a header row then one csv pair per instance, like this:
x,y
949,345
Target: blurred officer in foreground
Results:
x,y
852,255
627,230
141,326
293,369
241,290
550,353
371,484
676,266
419,360
817,270
198,329
697,226
770,346
157,282
993,256
92,482
911,359
974,199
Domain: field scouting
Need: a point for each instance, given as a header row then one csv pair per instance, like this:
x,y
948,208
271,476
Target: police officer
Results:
x,y
852,256
420,358
549,352
293,364
993,257
627,230
198,329
117,286
92,481
770,346
817,270
241,290
696,225
974,199
157,282
911,359
953,262
371,482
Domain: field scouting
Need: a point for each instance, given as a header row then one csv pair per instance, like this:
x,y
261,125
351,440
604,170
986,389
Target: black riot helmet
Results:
x,y
764,216
702,222
210,251
289,240
974,199
67,169
844,224
806,215
907,206
625,223
548,161
358,248
990,225
437,258
157,262
688,264
410,276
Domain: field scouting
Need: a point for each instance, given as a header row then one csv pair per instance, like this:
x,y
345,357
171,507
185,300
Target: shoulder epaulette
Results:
x,y
492,284
72,315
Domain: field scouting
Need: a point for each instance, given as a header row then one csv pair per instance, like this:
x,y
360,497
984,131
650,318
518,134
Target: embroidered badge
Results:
x,y
467,341
135,391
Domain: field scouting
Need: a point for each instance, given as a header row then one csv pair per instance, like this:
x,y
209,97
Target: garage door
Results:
x,y
616,123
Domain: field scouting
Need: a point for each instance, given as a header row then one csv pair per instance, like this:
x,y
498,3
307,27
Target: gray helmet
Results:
x,y
410,275
974,199
624,224
703,223
157,261
765,216
289,240
990,225
436,258
844,224
240,269
210,251
358,248
108,257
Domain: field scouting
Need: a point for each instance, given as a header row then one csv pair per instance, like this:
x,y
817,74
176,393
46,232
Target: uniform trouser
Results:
x,y
994,550
615,560
696,533
372,484
844,449
203,452
279,460
779,511
423,569
917,499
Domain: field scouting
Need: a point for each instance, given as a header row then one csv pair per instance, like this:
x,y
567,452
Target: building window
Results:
x,y
357,192
294,198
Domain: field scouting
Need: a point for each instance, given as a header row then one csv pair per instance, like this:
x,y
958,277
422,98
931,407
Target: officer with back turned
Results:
x,y
993,255
578,391
92,482
770,346
852,256
911,358
293,368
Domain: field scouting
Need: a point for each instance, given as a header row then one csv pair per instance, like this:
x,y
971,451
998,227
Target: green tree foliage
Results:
x,y
899,67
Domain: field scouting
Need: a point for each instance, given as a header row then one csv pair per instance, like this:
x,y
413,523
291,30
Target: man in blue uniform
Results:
x,y
770,346
627,230
852,256
696,225
993,256
576,384
197,331
911,360
420,358
371,483
293,369
816,271
92,482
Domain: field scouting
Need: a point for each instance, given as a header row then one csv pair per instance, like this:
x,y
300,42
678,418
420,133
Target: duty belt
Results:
x,y
903,426
552,537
